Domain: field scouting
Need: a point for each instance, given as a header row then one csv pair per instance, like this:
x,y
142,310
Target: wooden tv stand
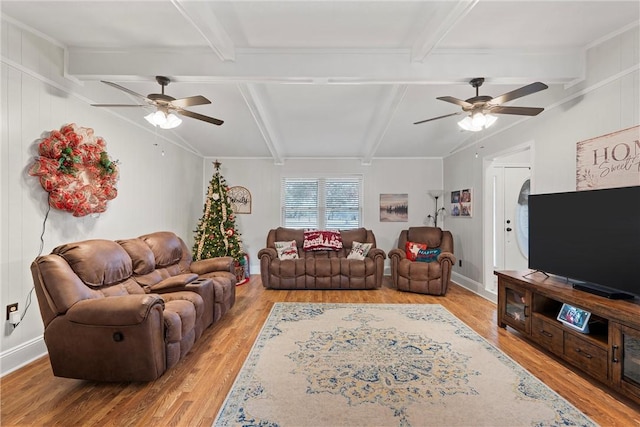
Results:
x,y
610,353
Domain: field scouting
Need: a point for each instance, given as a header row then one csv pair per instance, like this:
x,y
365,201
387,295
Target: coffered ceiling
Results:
x,y
323,79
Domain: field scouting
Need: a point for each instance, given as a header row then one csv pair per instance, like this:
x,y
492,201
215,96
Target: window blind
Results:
x,y
322,203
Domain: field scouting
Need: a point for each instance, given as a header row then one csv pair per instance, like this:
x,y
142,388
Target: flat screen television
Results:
x,y
591,238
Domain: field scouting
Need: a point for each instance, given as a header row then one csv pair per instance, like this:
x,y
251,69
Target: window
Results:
x,y
323,203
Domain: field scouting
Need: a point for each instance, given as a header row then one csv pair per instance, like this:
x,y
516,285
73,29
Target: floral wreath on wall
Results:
x,y
76,170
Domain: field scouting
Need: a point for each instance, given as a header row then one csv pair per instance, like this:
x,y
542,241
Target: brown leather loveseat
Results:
x,y
127,310
326,269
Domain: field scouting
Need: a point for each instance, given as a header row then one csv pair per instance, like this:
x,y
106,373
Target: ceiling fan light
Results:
x,y
466,123
157,118
478,120
149,118
163,120
172,121
490,119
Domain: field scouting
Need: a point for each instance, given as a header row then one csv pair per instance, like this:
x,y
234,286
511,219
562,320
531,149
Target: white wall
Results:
x,y
156,192
262,178
606,101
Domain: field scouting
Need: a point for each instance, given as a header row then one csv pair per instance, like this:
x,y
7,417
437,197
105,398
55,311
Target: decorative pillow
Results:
x,y
287,250
428,255
412,249
420,252
322,240
359,250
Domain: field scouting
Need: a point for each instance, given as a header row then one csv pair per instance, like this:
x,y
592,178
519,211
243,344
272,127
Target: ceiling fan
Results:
x,y
480,107
165,105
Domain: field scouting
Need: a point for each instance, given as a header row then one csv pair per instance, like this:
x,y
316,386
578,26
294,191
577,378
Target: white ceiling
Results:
x,y
324,79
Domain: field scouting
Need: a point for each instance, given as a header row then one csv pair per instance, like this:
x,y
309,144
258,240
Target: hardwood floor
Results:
x,y
191,393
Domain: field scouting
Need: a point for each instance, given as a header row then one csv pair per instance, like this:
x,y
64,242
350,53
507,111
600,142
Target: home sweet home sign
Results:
x,y
609,161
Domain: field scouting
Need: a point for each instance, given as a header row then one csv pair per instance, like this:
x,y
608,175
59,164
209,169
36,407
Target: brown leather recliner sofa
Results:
x,y
327,269
127,310
423,277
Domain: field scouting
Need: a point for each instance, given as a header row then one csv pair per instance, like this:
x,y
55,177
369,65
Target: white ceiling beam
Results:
x,y
380,121
263,122
443,23
332,66
202,18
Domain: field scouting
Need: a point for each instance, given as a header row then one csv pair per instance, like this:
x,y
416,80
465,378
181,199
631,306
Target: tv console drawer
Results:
x,y
589,357
547,333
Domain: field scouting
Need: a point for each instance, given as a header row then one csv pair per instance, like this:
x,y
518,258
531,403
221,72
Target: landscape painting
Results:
x,y
394,207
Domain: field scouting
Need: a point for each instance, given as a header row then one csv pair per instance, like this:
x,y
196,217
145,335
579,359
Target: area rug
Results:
x,y
384,365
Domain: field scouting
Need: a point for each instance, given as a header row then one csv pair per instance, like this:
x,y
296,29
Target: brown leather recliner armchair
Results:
x,y
423,277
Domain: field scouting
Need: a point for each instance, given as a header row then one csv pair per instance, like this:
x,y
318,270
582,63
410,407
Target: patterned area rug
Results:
x,y
384,365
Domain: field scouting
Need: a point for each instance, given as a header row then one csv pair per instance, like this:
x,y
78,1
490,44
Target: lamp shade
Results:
x,y
477,121
163,120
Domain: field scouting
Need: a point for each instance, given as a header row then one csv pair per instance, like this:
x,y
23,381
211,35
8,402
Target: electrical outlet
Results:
x,y
11,308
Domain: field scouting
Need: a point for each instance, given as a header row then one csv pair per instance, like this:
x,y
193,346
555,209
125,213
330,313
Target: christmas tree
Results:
x,y
216,234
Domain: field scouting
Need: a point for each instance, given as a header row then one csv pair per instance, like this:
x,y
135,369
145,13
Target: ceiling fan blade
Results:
x,y
129,91
518,93
439,117
190,101
456,101
520,111
200,117
119,105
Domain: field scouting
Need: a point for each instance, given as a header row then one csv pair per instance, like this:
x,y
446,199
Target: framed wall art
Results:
x,y
461,203
609,161
240,200
394,207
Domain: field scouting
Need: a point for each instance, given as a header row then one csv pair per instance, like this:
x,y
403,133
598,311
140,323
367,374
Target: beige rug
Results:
x,y
384,365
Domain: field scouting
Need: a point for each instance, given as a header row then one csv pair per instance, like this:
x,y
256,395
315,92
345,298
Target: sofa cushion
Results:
x,y
322,240
283,234
141,255
166,247
97,262
359,250
432,236
179,318
354,235
287,250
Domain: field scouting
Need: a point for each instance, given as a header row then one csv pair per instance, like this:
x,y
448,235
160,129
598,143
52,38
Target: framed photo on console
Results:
x,y
575,317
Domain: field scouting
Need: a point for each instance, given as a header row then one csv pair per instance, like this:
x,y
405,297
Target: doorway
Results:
x,y
506,220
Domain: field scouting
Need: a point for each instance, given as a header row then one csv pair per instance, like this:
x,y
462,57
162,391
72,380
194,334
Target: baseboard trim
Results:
x,y
473,286
17,357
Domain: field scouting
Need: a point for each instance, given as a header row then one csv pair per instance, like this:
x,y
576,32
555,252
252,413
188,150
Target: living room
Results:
x,y
163,177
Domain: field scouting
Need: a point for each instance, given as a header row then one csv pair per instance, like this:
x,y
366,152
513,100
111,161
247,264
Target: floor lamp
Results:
x,y
436,194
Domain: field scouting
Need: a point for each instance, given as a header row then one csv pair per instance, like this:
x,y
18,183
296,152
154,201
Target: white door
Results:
x,y
516,218
506,237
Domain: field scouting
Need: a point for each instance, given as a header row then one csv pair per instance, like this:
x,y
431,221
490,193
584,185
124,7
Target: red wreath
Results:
x,y
76,170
